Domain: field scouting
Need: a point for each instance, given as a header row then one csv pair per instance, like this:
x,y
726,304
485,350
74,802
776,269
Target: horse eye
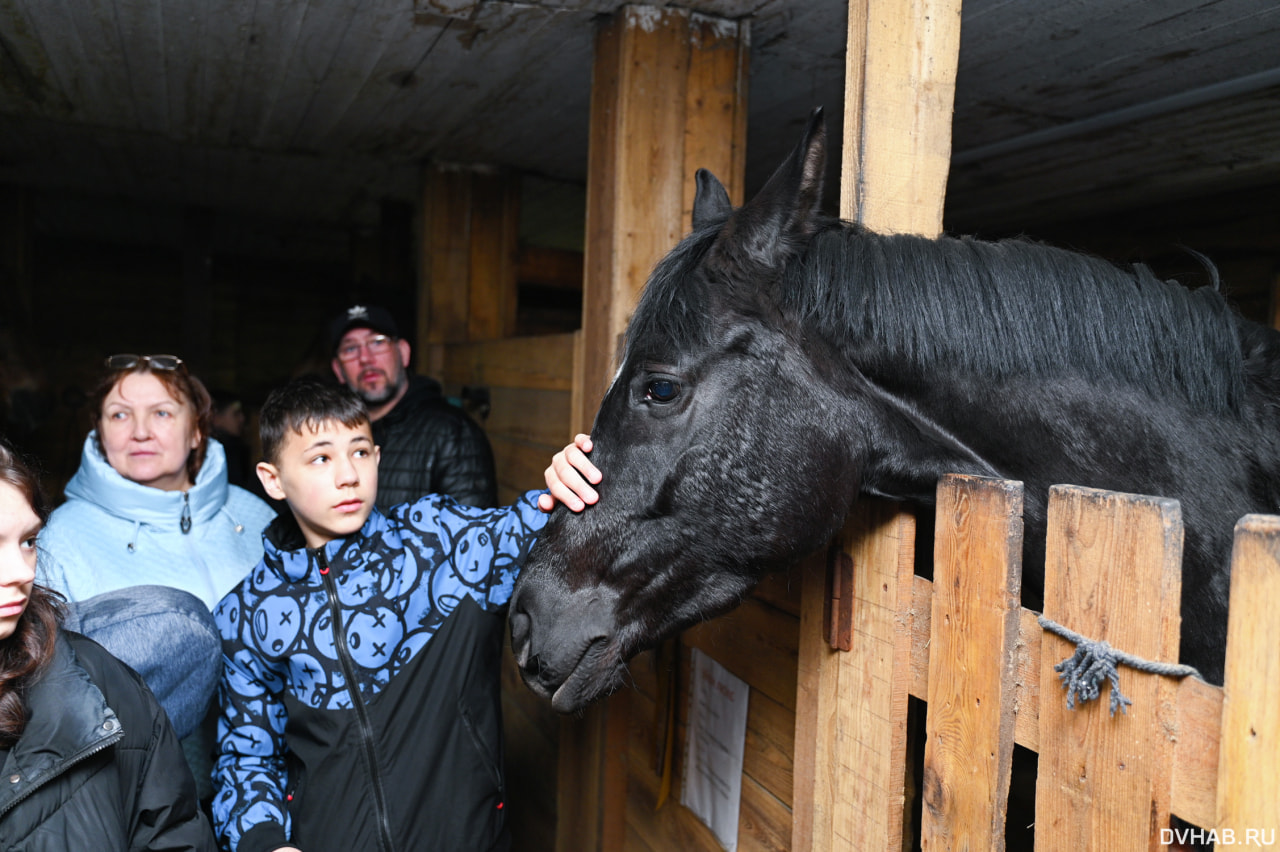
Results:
x,y
662,390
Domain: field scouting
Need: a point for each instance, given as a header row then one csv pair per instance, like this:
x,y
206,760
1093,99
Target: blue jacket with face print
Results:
x,y
360,703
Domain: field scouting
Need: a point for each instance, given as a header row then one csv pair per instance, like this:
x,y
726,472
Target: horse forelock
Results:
x,y
674,310
1013,308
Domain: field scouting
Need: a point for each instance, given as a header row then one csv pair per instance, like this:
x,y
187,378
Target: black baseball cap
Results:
x,y
361,316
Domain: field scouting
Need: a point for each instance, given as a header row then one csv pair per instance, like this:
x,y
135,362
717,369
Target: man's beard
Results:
x,y
388,392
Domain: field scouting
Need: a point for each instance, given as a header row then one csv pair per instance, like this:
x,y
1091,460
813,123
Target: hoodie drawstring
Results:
x,y
185,523
133,539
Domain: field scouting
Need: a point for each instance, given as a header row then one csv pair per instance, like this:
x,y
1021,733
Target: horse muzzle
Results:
x,y
565,641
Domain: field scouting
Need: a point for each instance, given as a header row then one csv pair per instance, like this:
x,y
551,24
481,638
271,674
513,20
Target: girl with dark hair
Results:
x,y
149,522
90,757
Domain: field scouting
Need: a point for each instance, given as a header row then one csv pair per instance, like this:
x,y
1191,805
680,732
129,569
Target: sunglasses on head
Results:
x,y
158,362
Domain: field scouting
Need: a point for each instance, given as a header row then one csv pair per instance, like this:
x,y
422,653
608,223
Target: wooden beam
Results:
x,y
899,92
668,96
1250,749
900,73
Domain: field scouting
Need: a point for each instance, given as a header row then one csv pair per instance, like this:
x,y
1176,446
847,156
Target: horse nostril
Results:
x,y
520,630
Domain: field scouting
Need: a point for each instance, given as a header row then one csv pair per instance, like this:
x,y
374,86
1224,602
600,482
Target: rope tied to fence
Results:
x,y
1095,660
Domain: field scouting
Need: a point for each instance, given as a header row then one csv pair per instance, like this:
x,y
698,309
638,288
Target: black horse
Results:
x,y
780,363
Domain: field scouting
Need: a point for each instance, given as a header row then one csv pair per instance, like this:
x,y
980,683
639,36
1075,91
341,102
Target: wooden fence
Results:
x,y
985,667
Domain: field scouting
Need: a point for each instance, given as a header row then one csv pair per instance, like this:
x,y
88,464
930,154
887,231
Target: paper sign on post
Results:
x,y
716,739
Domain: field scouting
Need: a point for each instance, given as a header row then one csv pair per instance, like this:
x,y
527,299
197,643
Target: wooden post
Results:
x,y
900,73
899,91
1113,572
668,96
973,659
851,708
1250,749
467,290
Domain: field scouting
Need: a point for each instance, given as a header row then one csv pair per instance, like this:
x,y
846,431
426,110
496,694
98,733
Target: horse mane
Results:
x,y
1017,307
1000,309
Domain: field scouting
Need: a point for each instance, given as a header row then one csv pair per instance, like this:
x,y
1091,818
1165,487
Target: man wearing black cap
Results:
x,y
428,445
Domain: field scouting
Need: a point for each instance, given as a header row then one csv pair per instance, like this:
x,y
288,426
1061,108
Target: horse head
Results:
x,y
724,440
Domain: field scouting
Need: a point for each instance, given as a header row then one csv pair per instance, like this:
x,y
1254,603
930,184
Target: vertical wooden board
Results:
x,y
1113,573
899,96
592,370
654,79
811,800
1249,756
495,223
973,660
446,245
852,706
717,93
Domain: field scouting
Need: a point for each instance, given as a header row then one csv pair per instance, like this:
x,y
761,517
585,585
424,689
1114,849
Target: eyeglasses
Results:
x,y
158,362
377,345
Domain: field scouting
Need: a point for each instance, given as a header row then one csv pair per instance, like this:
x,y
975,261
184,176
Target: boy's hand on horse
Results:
x,y
569,475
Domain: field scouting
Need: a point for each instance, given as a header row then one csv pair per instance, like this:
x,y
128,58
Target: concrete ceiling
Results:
x,y
318,110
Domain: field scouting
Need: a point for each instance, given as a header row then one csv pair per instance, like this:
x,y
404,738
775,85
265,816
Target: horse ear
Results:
x,y
766,229
711,202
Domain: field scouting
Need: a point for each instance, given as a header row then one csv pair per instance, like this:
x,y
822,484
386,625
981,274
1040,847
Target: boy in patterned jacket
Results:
x,y
360,687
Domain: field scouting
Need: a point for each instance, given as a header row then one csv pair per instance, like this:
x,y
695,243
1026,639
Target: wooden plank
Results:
x,y
548,267
446,256
716,100
851,707
1112,573
1250,752
529,415
1194,796
973,660
899,95
543,363
495,231
754,642
765,822
520,466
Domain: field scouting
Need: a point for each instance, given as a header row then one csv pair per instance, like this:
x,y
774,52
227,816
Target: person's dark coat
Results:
x,y
98,765
430,446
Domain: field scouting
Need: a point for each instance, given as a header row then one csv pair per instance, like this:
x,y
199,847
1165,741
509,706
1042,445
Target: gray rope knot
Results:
x,y
1082,673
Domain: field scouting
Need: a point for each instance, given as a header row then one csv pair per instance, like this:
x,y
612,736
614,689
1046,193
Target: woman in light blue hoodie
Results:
x,y
152,536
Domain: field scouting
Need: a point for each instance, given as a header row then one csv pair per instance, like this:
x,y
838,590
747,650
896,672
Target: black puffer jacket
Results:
x,y
430,446
98,766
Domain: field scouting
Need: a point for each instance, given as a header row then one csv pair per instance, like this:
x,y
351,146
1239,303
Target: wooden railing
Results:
x,y
876,633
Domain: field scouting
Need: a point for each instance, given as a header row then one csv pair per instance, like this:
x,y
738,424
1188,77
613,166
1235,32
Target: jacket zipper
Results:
x,y
362,712
104,743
